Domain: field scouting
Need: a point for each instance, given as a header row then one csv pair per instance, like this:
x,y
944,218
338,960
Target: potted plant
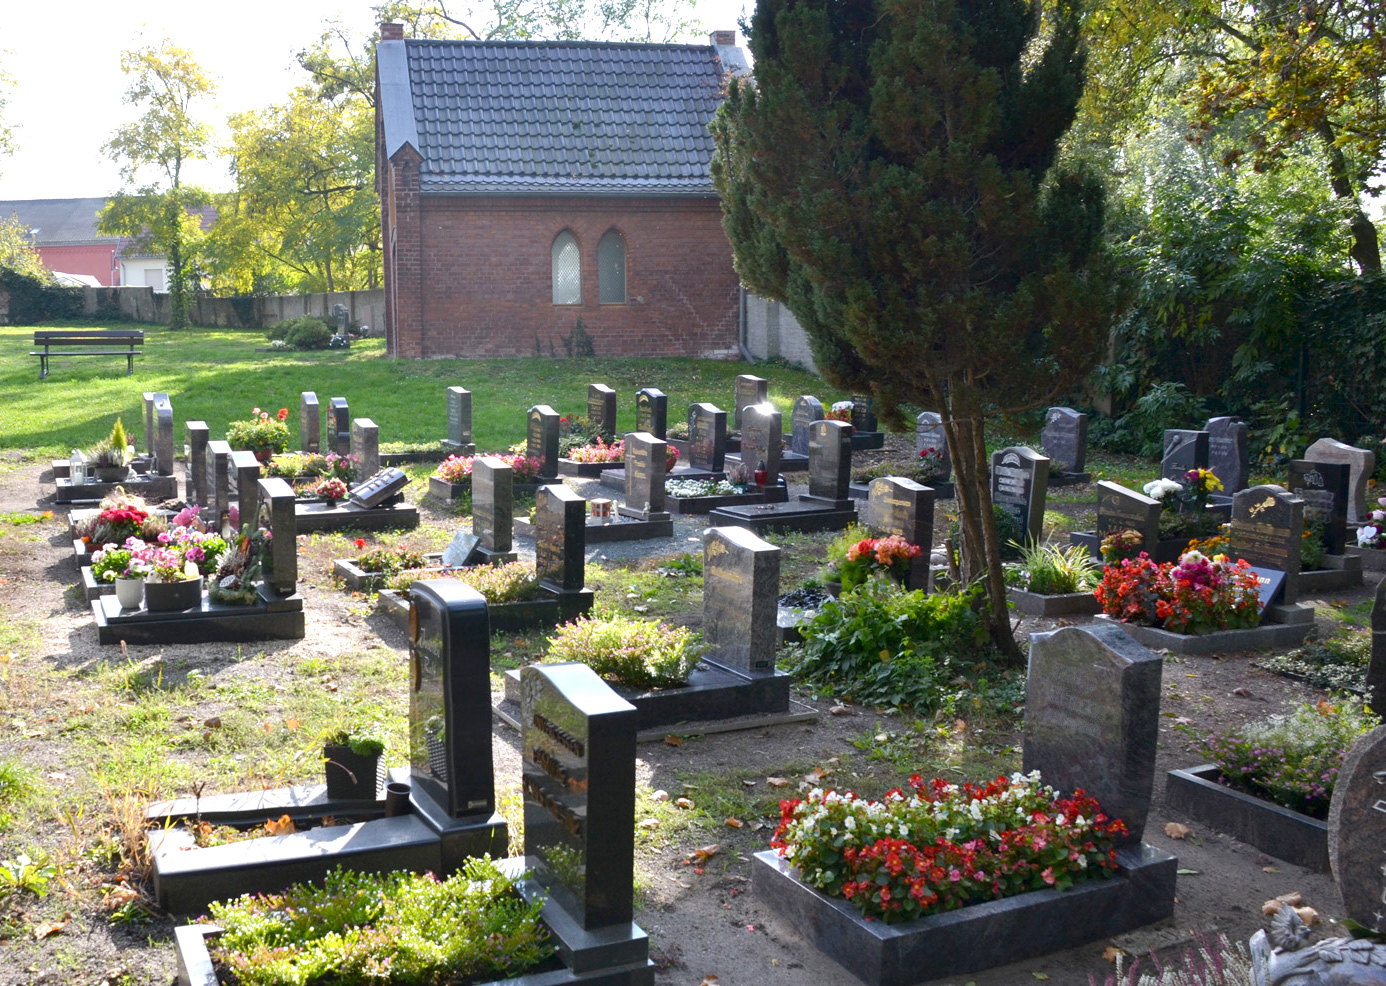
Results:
x,y
352,759
110,459
263,433
172,581
115,564
332,491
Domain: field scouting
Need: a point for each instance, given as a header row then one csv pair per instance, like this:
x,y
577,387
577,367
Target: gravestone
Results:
x,y
151,398
1092,707
219,478
379,488
1266,529
1357,831
748,390
493,506
578,782
309,423
762,436
806,411
707,438
1184,450
275,511
461,550
1120,509
646,459
863,418
1376,669
652,412
365,441
1229,452
1361,465
542,439
601,408
1065,439
929,433
247,471
830,461
895,505
339,426
198,437
1019,485
459,440
1323,486
560,538
163,438
741,590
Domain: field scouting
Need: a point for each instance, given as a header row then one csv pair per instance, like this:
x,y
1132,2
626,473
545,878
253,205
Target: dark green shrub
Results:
x,y
305,332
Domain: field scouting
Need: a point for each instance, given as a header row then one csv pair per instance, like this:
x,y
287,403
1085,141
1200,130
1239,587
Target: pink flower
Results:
x,y
1048,875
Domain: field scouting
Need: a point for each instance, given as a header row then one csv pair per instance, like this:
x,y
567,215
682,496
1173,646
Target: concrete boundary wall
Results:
x,y
142,304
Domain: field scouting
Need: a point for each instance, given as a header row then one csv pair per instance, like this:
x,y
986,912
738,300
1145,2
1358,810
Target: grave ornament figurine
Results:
x,y
1284,957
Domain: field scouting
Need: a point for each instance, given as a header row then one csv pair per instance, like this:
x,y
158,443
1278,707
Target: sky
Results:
x,y
68,87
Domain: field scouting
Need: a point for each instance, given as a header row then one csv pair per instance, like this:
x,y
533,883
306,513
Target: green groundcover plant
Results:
x,y
1051,570
364,928
1292,759
1337,664
509,583
628,651
390,560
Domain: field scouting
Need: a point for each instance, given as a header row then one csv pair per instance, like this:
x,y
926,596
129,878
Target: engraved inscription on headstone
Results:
x,y
741,590
1266,529
707,437
1120,509
1357,831
863,418
652,412
309,423
459,407
1184,450
1229,452
198,437
748,390
762,436
646,459
493,503
339,426
560,537
1019,485
601,408
895,505
1361,465
542,439
830,459
1065,439
806,411
376,489
1323,486
929,434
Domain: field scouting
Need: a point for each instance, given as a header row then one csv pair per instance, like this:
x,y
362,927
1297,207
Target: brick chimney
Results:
x,y
724,37
391,32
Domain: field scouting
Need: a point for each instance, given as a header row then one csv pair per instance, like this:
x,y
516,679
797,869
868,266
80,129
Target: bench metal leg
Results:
x,y
43,366
130,365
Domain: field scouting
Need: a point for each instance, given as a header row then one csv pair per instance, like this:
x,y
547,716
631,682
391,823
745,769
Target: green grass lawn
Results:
x,y
215,375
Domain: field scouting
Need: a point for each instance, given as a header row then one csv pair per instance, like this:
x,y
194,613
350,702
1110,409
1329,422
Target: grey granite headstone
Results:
x,y
219,478
1360,462
646,461
198,437
151,397
379,488
493,502
1229,452
541,435
1184,450
1120,509
1092,713
309,423
601,408
929,433
895,505
578,783
830,459
652,412
863,418
1065,439
276,504
339,427
1266,529
1357,831
560,537
247,472
163,438
1323,486
762,436
707,437
806,410
1376,670
748,390
1019,485
741,591
459,440
365,442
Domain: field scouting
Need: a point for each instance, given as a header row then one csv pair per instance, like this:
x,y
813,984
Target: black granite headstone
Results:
x,y
493,502
163,438
1065,439
895,505
151,398
652,412
646,462
379,487
1376,669
601,408
339,426
1019,485
748,390
1266,529
741,590
1184,450
365,442
1120,509
707,437
578,739
219,478
199,435
929,434
247,471
1092,708
806,411
560,537
863,418
1229,452
461,550
762,436
459,440
830,459
309,423
542,439
450,697
1362,464
1323,486
276,499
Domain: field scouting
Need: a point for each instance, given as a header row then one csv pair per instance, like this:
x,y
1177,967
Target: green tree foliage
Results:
x,y
16,249
6,130
890,177
158,208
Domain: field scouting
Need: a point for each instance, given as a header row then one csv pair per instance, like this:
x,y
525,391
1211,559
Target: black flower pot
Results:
x,y
168,597
351,776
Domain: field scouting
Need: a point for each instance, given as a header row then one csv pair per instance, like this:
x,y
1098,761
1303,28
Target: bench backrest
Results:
x,y
88,337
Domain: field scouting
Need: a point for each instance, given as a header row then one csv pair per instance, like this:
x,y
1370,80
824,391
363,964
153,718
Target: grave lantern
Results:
x,y
77,467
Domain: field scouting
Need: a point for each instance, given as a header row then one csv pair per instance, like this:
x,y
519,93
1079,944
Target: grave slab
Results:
x,y
1275,830
799,515
152,487
1053,604
1268,636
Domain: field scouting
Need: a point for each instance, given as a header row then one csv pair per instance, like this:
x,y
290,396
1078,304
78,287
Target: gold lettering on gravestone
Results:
x,y
722,573
556,770
895,502
716,548
561,813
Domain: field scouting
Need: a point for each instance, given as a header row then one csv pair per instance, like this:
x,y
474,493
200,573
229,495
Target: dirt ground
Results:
x,y
704,923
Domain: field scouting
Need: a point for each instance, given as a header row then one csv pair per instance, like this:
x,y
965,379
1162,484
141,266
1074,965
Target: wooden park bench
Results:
x,y
85,342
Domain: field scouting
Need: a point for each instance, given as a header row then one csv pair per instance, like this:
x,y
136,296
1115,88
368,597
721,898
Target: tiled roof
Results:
x,y
556,117
60,222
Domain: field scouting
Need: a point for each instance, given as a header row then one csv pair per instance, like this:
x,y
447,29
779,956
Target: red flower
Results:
x,y
360,542
283,414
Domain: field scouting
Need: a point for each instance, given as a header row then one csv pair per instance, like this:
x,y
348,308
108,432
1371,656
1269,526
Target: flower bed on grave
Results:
x,y
1052,581
594,459
305,470
368,571
513,594
855,558
452,480
1271,781
701,496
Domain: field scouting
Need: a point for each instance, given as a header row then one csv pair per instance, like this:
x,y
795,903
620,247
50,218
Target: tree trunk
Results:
x,y
177,299
1366,247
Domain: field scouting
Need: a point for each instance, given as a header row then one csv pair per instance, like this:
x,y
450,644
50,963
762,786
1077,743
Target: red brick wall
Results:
x,y
485,277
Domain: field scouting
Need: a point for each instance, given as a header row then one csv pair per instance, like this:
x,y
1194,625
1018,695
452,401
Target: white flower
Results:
x,y
1158,489
849,823
842,405
1367,535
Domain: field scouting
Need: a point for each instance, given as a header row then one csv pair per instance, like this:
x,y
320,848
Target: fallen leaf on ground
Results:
x,y
1323,708
283,825
839,710
660,796
756,826
1242,692
959,726
292,724
1039,975
1269,869
650,823
1176,831
707,852
1183,721
1111,953
1309,916
684,803
42,931
816,774
777,781
749,783
672,740
709,981
734,823
1293,898
212,722
1186,872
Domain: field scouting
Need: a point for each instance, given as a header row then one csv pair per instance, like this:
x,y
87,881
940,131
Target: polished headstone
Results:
x,y
806,410
652,412
378,487
863,418
1065,439
578,781
601,408
1184,450
493,502
895,505
929,434
198,437
1120,509
646,462
1323,486
339,426
459,440
151,398
541,435
1019,485
741,590
450,697
707,437
246,469
163,438
1229,452
365,443
1376,669
830,459
1092,713
1266,529
309,422
560,537
748,390
1357,831
1360,462
276,499
762,436
461,550
219,477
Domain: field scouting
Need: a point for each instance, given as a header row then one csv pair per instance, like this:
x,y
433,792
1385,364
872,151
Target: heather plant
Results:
x,y
390,560
1052,570
1338,663
1292,759
510,583
628,651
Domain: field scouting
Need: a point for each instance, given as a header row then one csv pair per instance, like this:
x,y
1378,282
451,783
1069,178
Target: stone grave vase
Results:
x,y
166,597
129,593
